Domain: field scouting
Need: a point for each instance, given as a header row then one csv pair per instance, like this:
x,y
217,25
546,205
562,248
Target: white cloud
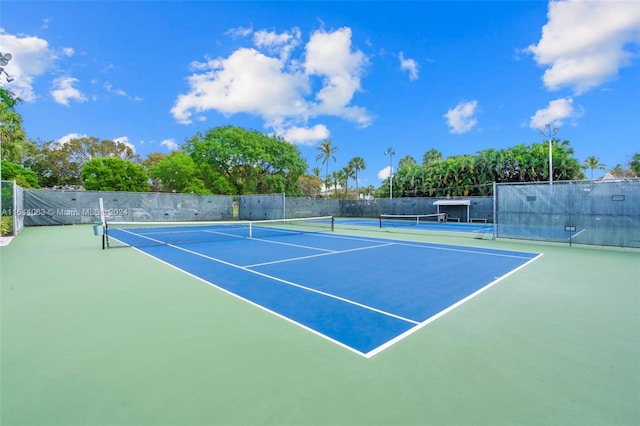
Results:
x,y
108,67
306,135
66,138
554,114
32,57
584,43
329,56
125,141
409,65
384,173
267,81
247,81
170,144
63,91
461,119
239,32
280,44
120,92
109,88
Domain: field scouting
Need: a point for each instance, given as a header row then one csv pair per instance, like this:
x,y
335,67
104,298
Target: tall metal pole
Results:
x,y
4,60
390,152
549,134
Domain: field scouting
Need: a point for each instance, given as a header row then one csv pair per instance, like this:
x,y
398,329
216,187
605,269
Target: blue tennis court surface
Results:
x,y
362,293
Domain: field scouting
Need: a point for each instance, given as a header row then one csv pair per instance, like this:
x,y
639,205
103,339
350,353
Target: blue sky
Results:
x,y
459,77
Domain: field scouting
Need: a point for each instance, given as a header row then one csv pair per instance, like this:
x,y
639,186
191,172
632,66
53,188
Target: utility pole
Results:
x,y
549,133
390,152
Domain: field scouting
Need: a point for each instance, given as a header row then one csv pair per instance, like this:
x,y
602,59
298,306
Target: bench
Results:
x,y
478,219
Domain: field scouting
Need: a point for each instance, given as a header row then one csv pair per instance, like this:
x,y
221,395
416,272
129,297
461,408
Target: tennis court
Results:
x,y
220,335
421,224
361,302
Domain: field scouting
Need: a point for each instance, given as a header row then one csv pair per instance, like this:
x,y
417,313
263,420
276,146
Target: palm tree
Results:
x,y
431,156
316,172
356,164
617,171
635,164
407,161
337,176
345,173
593,163
327,152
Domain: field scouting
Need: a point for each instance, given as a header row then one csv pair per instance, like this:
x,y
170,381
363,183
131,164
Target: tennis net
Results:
x,y
394,220
127,234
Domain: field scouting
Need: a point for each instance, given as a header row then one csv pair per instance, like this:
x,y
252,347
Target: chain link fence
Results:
x,y
605,213
278,206
11,204
60,207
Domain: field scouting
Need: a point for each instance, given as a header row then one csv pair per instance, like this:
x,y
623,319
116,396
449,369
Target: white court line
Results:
x,y
377,240
430,247
577,233
257,305
177,230
332,252
389,343
445,311
146,234
313,290
293,245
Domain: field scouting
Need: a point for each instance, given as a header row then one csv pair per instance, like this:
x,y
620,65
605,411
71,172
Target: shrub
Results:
x,y
6,226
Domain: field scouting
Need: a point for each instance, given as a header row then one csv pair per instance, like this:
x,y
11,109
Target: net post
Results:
x,y
103,224
495,211
284,205
333,221
105,236
14,194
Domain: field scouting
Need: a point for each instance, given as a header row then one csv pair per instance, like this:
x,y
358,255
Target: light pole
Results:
x,y
4,60
390,152
549,133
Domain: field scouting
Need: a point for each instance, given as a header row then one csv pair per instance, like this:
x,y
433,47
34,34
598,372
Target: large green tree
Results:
x,y
177,172
114,174
60,164
233,160
466,175
24,177
14,146
310,186
151,160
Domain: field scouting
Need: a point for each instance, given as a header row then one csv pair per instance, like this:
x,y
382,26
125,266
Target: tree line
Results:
x,y
234,161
